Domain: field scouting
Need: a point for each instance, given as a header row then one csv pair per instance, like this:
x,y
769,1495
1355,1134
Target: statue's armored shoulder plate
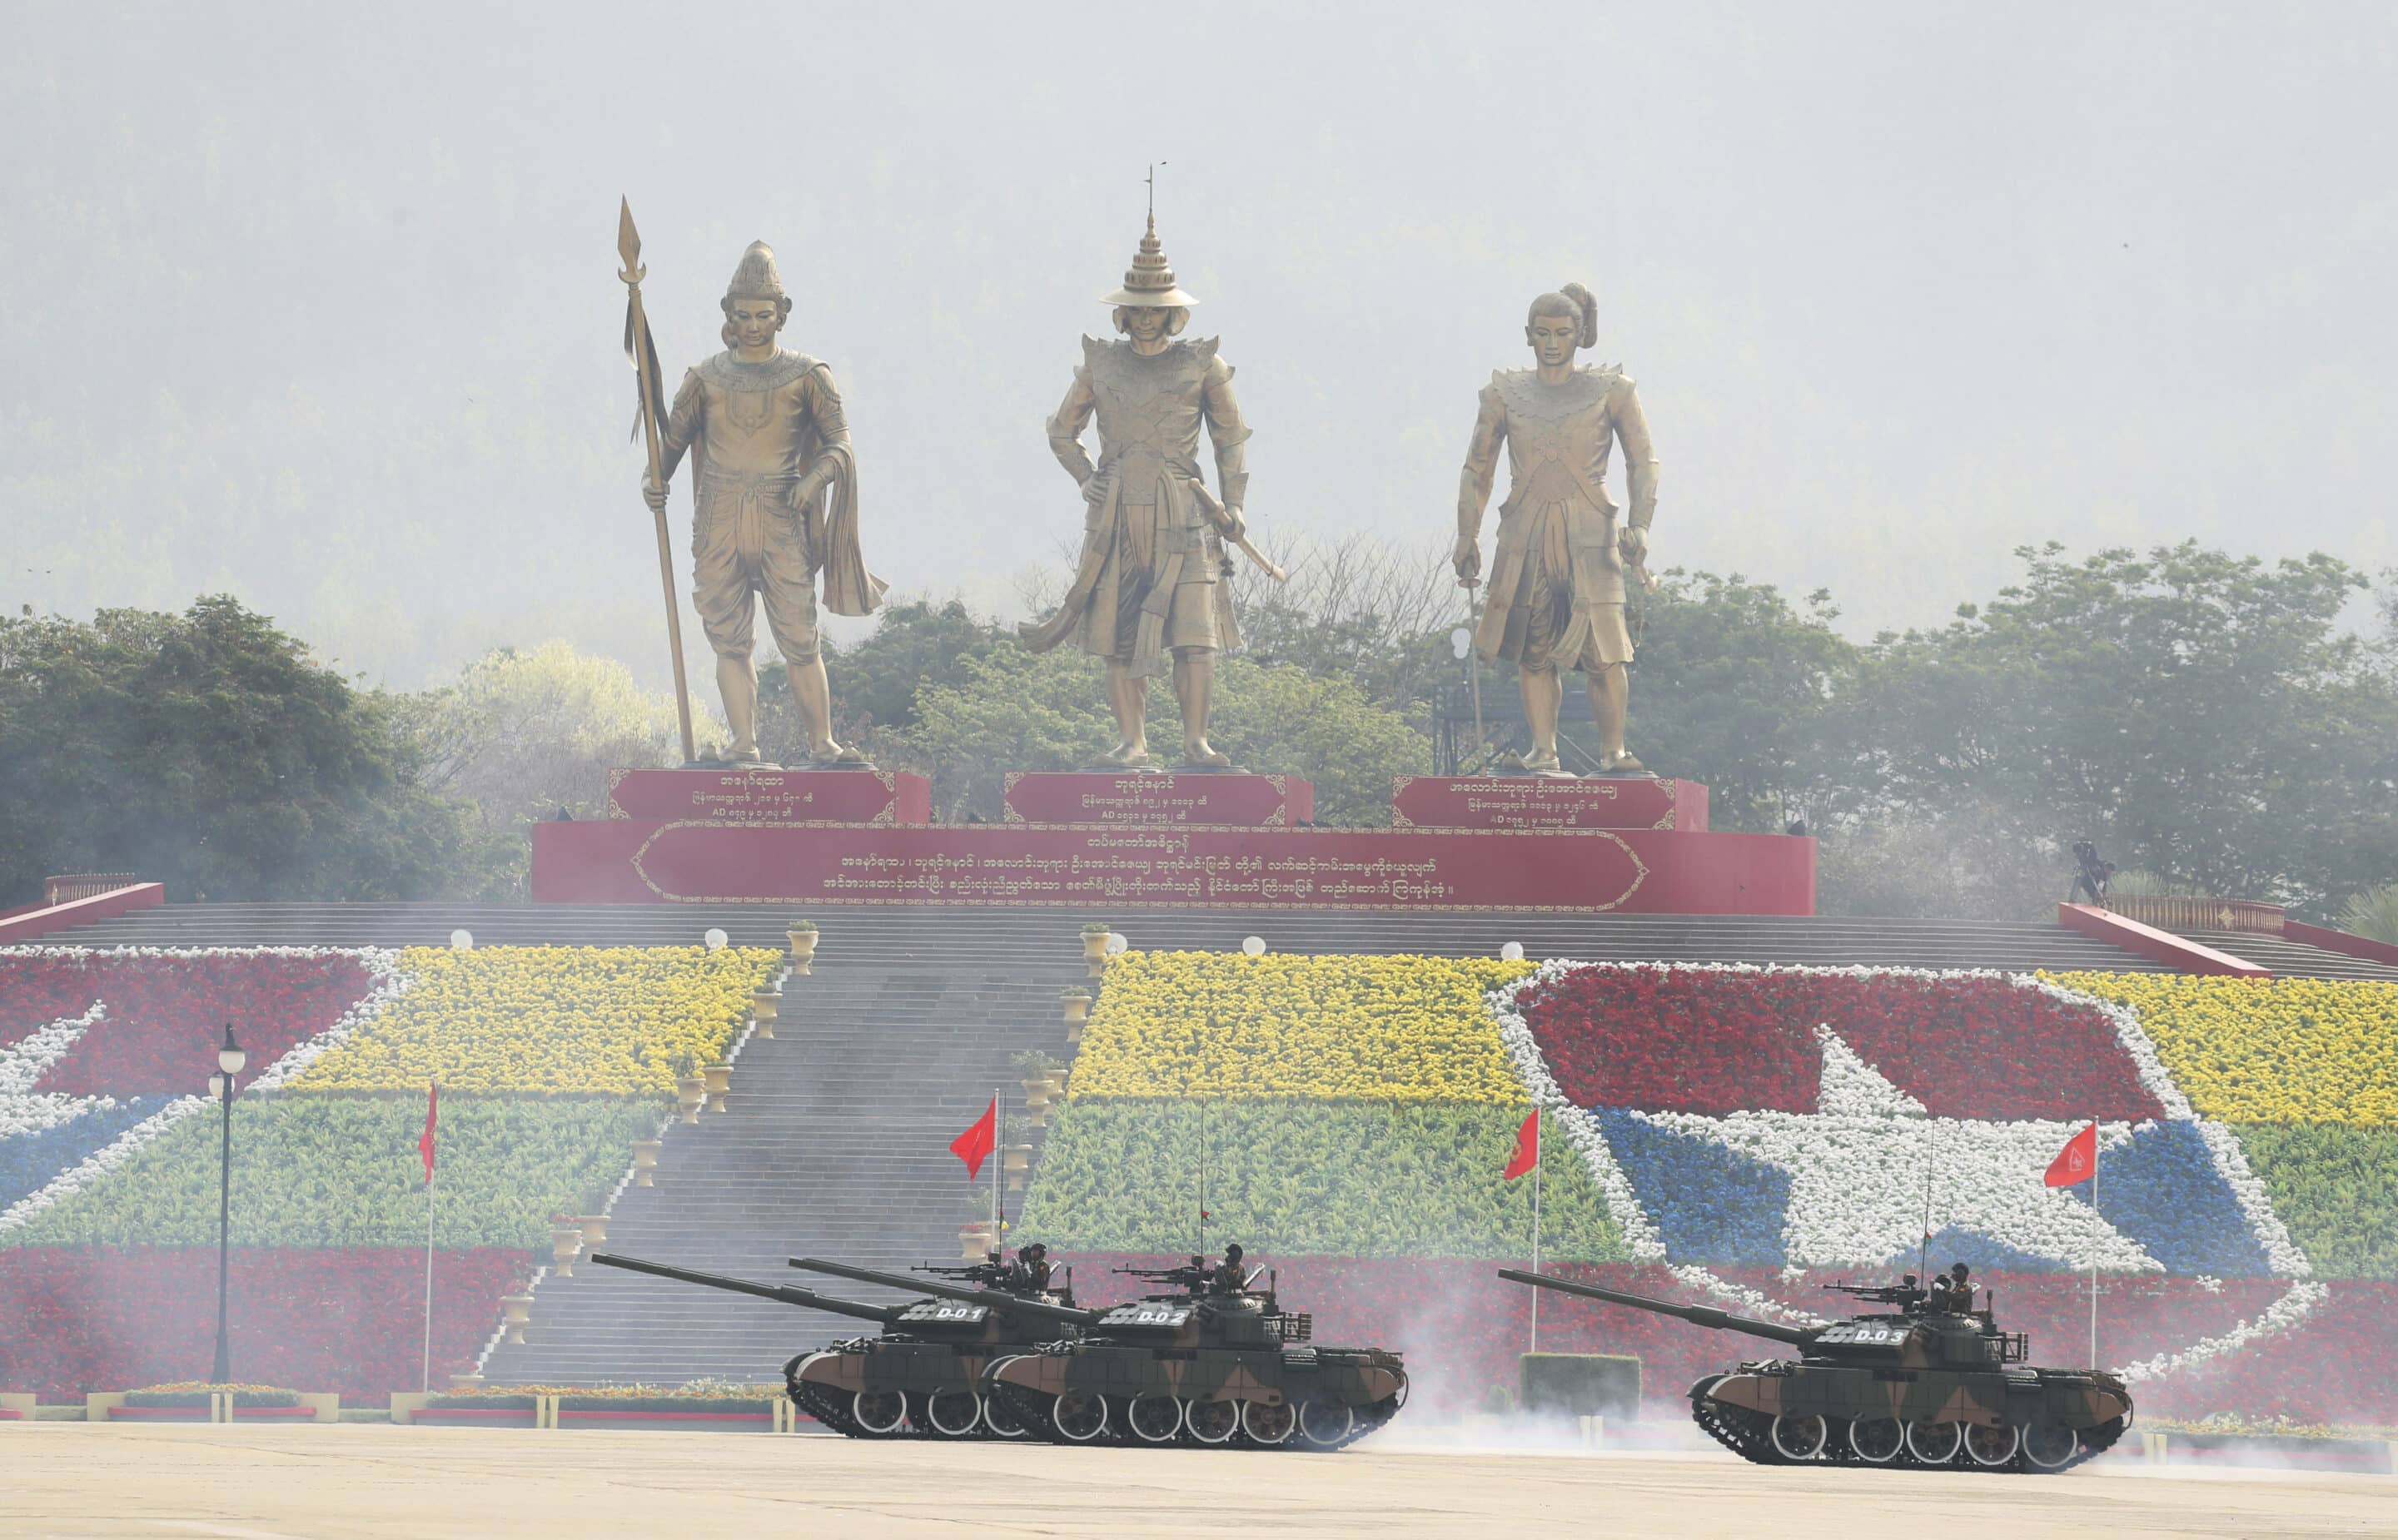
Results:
x,y
726,372
1203,348
1529,401
1094,350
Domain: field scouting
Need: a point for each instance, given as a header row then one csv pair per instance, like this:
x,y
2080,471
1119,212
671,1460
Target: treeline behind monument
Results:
x,y
2217,725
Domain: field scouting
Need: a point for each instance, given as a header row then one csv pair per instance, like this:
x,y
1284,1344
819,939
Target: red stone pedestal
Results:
x,y
772,795
1542,802
1233,800
831,837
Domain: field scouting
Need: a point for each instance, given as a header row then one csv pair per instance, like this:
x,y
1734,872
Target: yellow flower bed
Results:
x,y
549,1019
1207,1023
2287,1050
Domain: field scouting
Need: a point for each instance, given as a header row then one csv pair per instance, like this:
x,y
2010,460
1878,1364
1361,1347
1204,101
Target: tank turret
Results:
x,y
1932,1381
1033,1307
1209,1360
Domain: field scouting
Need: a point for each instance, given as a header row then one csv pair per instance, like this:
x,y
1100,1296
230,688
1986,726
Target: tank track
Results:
x,y
1750,1436
1032,1408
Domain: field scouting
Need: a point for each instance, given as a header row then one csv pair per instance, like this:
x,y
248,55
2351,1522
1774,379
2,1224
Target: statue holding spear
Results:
x,y
774,492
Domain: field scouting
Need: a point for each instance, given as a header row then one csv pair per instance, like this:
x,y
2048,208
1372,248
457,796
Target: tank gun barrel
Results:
x,y
1697,1314
997,1299
780,1294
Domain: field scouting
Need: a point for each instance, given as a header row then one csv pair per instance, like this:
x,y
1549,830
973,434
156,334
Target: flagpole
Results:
x,y
1535,1346
998,1121
2098,1231
424,1379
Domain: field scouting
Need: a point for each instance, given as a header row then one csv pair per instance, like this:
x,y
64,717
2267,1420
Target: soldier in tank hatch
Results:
x,y
1031,1274
1230,1275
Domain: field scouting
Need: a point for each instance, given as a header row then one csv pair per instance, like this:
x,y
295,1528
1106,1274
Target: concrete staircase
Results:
x,y
835,1145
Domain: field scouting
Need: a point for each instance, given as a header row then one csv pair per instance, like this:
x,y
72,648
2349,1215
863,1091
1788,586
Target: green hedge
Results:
x,y
344,1171
2336,1186
1309,1177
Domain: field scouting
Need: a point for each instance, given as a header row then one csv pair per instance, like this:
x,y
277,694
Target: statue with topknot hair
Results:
x,y
775,495
1556,598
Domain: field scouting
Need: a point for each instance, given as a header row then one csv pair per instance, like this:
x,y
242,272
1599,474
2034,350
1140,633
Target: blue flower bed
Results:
x,y
1709,1203
31,1161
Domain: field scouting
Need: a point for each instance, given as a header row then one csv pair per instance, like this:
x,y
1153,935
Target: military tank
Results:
x,y
924,1374
1208,1360
1931,1383
920,1375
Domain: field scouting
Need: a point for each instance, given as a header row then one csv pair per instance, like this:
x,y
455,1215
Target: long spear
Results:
x,y
644,355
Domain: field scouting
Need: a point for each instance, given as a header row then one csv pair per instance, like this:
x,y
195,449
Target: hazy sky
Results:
x,y
318,304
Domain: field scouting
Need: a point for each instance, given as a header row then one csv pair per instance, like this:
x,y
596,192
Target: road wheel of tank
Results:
x,y
1080,1415
2050,1446
1990,1446
1000,1417
954,1414
1877,1440
1268,1422
1934,1443
1154,1419
1211,1422
1800,1438
1326,1425
879,1412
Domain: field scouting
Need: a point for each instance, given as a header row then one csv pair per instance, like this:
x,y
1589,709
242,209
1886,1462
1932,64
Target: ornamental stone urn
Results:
x,y
468,1381
974,1241
691,1095
1015,1159
719,1082
803,949
520,1315
1036,1103
564,1242
765,1007
594,1229
646,1161
1094,948
1077,1004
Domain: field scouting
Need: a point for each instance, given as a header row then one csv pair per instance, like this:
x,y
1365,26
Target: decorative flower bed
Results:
x,y
2337,1187
344,1171
2287,1050
551,1019
166,1010
1391,1029
1307,1176
189,1392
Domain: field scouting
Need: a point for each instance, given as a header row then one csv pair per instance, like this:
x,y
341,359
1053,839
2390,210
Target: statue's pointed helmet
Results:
x,y
757,277
1150,280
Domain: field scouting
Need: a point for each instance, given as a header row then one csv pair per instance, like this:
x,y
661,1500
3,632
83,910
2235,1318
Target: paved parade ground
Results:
x,y
332,1483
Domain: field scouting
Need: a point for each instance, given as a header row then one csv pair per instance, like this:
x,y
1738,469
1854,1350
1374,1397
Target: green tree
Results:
x,y
2200,715
209,750
915,644
1734,686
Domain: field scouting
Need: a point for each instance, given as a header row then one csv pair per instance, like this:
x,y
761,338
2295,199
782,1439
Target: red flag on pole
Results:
x,y
973,1146
2078,1161
1527,1147
425,1141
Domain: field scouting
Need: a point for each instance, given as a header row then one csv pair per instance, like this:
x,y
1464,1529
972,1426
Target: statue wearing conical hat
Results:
x,y
1152,581
1556,596
774,492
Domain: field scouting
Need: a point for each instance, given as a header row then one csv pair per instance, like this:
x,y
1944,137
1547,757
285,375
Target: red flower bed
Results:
x,y
1461,1326
1691,1039
166,1014
78,1320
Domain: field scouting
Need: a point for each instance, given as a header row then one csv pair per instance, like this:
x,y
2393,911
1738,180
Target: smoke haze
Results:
x,y
319,306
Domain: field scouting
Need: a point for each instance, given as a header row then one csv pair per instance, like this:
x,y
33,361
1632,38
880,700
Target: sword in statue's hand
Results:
x,y
1215,515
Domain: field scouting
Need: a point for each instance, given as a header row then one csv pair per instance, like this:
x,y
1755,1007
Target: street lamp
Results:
x,y
230,1058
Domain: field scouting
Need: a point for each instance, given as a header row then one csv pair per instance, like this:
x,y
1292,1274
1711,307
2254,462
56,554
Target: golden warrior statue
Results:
x,y
768,442
1152,579
1556,596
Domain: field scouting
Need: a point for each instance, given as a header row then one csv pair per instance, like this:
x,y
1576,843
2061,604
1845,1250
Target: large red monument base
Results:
x,y
1630,847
